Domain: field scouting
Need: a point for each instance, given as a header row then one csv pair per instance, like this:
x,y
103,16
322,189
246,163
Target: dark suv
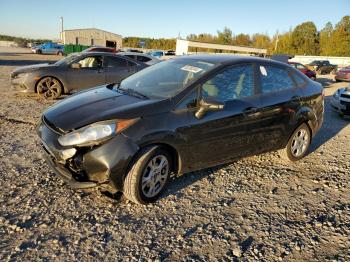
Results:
x,y
180,115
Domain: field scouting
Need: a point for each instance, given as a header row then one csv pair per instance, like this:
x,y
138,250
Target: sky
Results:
x,y
165,18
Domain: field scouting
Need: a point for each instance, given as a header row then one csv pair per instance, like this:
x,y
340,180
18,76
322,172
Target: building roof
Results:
x,y
83,29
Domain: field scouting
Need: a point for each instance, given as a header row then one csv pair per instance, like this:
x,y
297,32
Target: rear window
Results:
x,y
273,78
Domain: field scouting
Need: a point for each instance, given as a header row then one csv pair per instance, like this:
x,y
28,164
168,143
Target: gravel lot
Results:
x,y
259,208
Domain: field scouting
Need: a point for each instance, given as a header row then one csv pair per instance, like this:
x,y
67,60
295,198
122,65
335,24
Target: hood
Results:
x,y
31,68
99,104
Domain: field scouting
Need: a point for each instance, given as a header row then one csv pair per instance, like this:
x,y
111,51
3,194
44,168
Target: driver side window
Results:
x,y
91,62
231,83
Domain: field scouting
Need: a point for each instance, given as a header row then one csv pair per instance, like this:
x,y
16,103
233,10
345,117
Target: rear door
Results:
x,y
281,99
118,68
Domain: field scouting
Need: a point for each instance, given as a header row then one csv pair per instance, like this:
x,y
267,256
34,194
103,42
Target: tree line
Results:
x,y
304,39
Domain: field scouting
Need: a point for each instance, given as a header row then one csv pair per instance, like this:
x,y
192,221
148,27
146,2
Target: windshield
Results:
x,y
67,60
166,79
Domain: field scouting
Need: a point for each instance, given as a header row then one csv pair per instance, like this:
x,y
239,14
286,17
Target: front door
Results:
x,y
223,135
90,74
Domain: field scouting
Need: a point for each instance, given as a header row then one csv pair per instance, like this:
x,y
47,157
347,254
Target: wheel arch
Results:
x,y
307,116
174,153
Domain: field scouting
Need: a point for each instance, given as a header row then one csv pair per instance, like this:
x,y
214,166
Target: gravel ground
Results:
x,y
258,208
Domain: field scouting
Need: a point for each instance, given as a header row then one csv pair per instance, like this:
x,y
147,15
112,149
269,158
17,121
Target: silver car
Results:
x,y
340,101
74,72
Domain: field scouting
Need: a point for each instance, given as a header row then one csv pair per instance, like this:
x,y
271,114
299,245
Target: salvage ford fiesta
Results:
x,y
177,116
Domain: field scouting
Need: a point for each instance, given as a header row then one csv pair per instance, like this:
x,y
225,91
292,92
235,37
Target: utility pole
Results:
x,y
61,18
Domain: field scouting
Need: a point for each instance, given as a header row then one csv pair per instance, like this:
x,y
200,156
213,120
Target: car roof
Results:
x,y
227,59
134,53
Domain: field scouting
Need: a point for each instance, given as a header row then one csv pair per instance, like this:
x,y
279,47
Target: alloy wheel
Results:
x,y
49,87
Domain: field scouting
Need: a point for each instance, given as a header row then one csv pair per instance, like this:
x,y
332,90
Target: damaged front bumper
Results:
x,y
102,166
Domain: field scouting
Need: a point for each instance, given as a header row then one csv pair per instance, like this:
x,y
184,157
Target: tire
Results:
x,y
49,88
38,51
298,144
60,53
142,186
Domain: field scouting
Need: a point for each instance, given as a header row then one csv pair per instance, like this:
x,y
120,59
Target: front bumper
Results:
x,y
340,106
23,84
102,166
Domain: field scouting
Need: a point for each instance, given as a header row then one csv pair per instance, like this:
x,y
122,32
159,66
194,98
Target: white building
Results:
x,y
91,36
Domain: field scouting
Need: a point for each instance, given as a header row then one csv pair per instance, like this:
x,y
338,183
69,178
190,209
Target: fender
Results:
x,y
173,141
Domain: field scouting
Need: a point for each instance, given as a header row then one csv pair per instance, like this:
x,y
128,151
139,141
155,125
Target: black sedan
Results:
x,y
75,72
177,116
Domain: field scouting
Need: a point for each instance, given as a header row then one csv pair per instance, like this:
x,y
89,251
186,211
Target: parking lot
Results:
x,y
260,207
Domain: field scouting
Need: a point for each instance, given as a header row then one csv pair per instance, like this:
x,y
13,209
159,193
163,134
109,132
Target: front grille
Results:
x,y
345,95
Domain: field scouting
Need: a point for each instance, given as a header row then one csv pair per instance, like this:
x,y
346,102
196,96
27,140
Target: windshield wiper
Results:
x,y
132,92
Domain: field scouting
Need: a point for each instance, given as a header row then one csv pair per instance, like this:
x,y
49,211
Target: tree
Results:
x,y
326,38
305,39
225,37
341,37
242,40
282,44
261,41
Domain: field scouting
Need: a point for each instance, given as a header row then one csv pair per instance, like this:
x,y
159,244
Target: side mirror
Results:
x,y
75,66
207,105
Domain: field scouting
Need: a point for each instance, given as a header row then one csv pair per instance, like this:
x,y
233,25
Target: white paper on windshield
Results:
x,y
263,71
192,69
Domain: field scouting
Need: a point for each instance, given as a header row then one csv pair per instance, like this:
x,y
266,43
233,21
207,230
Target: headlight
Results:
x,y
95,133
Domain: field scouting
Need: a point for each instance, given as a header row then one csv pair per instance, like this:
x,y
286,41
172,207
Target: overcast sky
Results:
x,y
165,18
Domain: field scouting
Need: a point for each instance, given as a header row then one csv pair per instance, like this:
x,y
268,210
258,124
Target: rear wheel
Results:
x,y
60,53
148,176
49,88
298,144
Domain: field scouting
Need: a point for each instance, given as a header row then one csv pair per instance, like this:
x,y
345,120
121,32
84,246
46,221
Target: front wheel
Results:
x,y
298,144
49,88
148,176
